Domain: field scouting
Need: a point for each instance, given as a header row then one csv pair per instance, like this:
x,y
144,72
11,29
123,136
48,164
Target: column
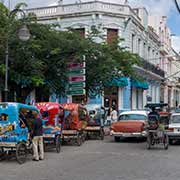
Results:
x,y
140,99
134,98
127,96
165,94
120,98
144,98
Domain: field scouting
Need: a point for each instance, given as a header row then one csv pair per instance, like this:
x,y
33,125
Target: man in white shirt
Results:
x,y
114,115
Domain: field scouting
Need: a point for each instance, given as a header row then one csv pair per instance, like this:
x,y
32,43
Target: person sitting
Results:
x,y
22,120
68,120
153,119
4,117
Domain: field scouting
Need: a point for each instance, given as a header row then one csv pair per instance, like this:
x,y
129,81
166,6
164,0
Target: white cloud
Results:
x,y
159,7
176,43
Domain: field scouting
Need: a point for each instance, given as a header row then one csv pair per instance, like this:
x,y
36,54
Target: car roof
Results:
x,y
175,114
134,112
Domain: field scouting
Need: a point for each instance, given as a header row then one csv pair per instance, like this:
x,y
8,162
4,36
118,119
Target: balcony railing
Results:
x,y
86,7
152,68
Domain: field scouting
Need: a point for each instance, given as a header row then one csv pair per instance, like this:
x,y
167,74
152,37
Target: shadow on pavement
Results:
x,y
125,140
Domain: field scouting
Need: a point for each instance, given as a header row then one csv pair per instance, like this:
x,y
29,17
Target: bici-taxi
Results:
x,y
50,113
95,126
156,130
15,127
74,123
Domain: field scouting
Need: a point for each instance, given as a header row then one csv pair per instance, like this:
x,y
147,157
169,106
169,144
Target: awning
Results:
x,y
139,84
118,82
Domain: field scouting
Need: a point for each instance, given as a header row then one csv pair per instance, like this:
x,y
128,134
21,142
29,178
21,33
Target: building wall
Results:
x,y
132,26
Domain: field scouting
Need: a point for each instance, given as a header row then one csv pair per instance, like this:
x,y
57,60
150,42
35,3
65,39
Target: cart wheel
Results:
x,y
21,153
2,154
102,134
87,136
45,146
148,142
83,138
58,144
79,140
166,141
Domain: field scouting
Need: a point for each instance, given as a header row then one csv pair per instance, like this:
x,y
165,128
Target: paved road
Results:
x,y
99,160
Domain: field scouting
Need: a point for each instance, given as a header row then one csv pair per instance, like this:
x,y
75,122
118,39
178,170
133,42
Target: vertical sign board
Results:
x,y
77,78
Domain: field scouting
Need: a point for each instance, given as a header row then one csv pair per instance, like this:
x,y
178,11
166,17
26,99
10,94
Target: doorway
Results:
x,y
111,98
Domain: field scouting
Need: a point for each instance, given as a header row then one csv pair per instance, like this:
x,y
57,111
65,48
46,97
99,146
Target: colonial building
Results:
x,y
140,36
168,61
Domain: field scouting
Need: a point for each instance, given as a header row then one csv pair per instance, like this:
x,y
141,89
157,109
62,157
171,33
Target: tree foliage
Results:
x,y
41,61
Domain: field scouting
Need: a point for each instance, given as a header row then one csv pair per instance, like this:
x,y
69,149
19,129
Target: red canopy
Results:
x,y
53,108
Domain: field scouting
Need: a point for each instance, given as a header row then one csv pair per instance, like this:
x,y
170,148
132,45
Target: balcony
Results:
x,y
85,7
152,68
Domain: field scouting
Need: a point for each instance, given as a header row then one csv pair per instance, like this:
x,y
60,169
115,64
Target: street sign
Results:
x,y
76,65
72,72
76,92
77,78
77,85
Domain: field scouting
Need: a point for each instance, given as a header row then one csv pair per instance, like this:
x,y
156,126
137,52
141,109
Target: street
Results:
x,y
99,160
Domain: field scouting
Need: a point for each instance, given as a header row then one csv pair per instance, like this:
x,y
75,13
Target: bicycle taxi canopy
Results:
x,y
12,129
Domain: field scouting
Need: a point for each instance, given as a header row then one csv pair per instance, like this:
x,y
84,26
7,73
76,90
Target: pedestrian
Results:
x,y
114,115
37,134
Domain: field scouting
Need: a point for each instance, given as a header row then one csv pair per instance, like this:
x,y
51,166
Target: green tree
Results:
x,y
41,62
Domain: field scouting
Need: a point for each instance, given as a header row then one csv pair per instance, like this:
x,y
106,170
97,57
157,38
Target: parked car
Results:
x,y
129,124
174,127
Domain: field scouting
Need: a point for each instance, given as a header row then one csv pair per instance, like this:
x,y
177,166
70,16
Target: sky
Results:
x,y
160,7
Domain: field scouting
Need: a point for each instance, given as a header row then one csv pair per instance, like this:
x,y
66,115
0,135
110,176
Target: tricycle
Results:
x,y
95,126
15,127
156,129
50,112
74,123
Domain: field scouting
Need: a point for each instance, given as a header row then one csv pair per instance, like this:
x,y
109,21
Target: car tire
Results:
x,y
171,141
117,139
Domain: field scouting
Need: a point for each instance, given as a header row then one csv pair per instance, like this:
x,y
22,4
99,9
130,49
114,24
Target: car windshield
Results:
x,y
132,117
175,119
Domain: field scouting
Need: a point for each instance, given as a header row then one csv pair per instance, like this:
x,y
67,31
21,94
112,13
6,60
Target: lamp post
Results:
x,y
23,35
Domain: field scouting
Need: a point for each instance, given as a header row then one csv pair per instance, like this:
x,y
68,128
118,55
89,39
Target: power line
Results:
x,y
177,5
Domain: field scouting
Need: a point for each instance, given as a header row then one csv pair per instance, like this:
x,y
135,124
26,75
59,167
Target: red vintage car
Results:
x,y
129,124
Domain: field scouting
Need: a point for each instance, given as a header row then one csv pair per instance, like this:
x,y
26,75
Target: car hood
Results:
x,y
174,125
128,126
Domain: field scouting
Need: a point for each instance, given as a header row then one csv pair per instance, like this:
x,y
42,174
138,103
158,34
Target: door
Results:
x,y
111,98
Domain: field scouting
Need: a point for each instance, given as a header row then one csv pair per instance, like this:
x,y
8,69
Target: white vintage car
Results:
x,y
174,127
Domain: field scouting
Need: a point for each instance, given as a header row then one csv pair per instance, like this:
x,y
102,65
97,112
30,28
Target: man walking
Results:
x,y
37,133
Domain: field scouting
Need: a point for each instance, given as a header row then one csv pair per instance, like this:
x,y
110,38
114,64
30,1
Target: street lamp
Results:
x,y
23,35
